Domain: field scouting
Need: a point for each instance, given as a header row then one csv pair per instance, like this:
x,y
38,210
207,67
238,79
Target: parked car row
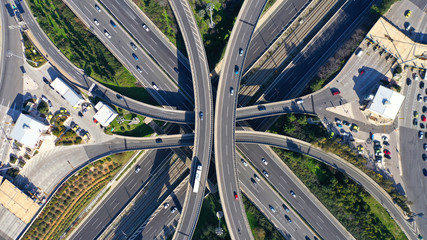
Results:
x,y
353,127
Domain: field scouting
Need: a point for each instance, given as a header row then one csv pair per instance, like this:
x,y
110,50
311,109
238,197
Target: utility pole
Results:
x,y
210,8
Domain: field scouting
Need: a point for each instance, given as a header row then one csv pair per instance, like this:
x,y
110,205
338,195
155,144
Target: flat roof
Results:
x,y
401,46
17,202
27,130
67,92
105,114
386,102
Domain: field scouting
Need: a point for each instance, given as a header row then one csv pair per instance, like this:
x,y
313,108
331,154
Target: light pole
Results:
x,y
219,231
10,54
210,7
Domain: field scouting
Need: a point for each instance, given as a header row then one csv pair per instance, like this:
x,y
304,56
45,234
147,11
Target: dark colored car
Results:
x,y
236,69
425,172
285,207
119,96
346,123
424,109
261,108
421,84
134,56
112,23
424,157
159,140
415,122
288,219
409,81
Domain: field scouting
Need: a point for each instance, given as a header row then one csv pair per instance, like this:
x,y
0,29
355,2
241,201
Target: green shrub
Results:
x,y
398,70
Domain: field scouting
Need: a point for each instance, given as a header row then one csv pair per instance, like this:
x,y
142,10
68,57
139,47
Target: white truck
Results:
x,y
196,183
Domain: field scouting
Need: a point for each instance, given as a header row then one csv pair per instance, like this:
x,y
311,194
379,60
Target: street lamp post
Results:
x,y
10,54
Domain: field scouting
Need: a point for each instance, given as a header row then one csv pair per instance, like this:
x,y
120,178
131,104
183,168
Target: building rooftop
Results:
x,y
67,92
401,46
27,130
105,114
386,103
16,201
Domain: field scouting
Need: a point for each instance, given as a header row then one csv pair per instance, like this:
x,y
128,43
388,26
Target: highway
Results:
x,y
158,47
334,161
203,133
226,102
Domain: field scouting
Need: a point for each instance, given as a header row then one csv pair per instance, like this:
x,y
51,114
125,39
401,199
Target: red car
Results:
x,y
235,196
387,152
423,118
362,72
335,92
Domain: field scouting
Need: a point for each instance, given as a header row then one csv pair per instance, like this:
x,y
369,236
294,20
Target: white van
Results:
x,y
359,52
300,101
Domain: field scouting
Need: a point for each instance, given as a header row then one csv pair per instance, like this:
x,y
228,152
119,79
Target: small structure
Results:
x,y
28,130
16,201
68,93
105,114
386,103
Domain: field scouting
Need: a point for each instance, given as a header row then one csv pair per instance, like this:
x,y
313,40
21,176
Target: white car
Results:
x,y
145,27
231,91
244,162
139,69
97,8
107,34
265,173
166,205
96,22
293,194
419,97
272,208
155,87
173,209
257,178
264,161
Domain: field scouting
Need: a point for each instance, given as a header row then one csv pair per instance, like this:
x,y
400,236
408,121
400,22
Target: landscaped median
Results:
x,y
74,196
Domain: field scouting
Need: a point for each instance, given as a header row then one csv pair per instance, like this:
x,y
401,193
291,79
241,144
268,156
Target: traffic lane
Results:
x,y
288,86
165,221
120,195
268,32
160,187
178,69
224,145
334,161
119,43
280,178
264,196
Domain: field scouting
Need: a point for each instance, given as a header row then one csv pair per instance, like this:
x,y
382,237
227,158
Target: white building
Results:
x,y
67,92
105,114
386,103
28,130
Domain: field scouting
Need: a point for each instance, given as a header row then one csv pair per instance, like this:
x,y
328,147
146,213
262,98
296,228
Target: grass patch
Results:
x,y
260,226
69,138
124,128
268,5
32,53
384,217
74,196
208,221
83,48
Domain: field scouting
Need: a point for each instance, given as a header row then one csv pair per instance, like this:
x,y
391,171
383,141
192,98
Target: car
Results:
x,y
387,152
408,13
362,72
339,125
423,118
371,135
421,84
272,208
415,122
424,157
257,178
265,173
293,194
236,69
231,91
159,140
166,205
112,23
425,146
261,108
264,161
424,109
134,56
387,156
288,219
346,123
416,77
137,169
145,27
337,120
354,128
155,86
138,69
173,210
408,81
118,96
335,92
107,34
425,172
360,149
300,101
253,181
385,138
96,22
133,46
241,52
425,99
97,8
379,153
379,159
244,162
416,114
386,143
419,97
80,114
201,115
422,125
285,207
235,196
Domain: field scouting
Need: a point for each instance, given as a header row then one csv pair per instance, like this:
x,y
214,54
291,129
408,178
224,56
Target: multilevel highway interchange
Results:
x,y
82,158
